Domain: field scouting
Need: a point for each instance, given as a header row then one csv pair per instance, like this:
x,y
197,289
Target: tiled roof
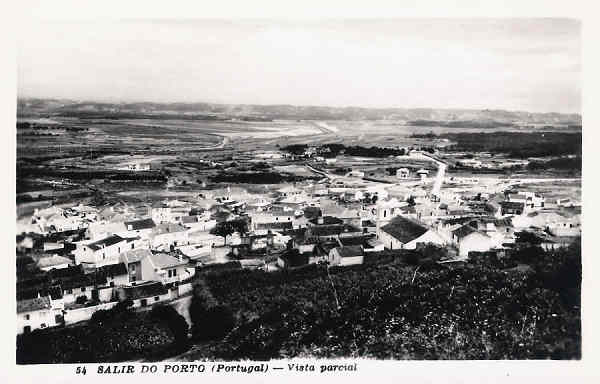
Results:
x,y
114,269
164,260
137,225
356,240
144,290
190,219
403,229
275,225
106,242
463,231
328,230
350,251
136,255
35,304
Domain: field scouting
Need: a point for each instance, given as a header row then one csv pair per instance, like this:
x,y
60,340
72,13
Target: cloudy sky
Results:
x,y
516,64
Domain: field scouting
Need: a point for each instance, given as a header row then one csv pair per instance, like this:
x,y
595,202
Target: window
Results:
x,y
103,255
43,325
174,272
112,283
143,302
169,273
26,329
82,289
118,249
69,291
155,298
131,245
132,266
27,317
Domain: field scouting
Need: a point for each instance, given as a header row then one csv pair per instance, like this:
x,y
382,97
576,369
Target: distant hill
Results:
x,y
414,116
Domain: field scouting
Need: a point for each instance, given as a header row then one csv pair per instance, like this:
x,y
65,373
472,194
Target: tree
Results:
x,y
227,228
411,201
223,229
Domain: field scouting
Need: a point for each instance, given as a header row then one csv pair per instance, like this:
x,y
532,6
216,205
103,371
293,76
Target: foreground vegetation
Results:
x,y
401,311
400,305
119,334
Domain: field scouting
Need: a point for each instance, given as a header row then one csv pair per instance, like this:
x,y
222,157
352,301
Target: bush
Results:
x,y
174,320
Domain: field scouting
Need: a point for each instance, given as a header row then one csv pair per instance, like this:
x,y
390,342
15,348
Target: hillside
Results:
x,y
416,116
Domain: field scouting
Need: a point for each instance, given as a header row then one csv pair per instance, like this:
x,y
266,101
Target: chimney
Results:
x,y
320,220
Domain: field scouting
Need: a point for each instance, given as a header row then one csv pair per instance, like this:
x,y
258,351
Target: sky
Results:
x,y
516,64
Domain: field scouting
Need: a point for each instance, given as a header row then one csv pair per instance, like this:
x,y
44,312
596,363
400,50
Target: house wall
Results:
x,y
134,272
389,242
147,270
351,260
118,280
37,319
430,237
104,256
151,300
84,314
170,238
142,233
201,225
474,242
181,274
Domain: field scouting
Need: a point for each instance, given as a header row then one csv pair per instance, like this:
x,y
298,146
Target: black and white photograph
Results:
x,y
258,190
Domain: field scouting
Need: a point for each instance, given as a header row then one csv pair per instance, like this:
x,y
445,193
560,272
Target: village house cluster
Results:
x,y
73,261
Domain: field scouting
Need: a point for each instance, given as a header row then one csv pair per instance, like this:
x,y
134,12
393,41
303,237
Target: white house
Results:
x,y
141,228
469,239
167,236
165,268
198,223
349,255
101,252
402,173
37,313
103,229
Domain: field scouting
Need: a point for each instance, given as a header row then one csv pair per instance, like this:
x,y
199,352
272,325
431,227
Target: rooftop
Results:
x,y
136,255
403,229
161,229
53,260
137,225
326,220
106,242
114,269
350,251
35,304
164,260
144,290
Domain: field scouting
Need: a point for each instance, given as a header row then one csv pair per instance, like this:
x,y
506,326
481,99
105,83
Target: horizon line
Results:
x,y
138,101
